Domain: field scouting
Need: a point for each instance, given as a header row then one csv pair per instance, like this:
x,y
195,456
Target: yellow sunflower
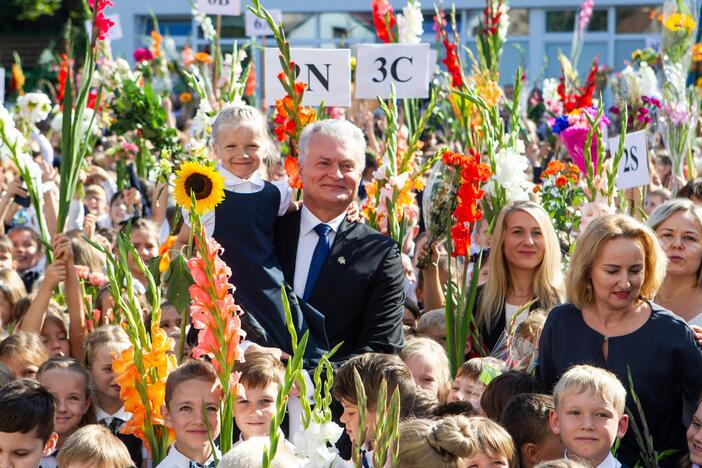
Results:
x,y
203,181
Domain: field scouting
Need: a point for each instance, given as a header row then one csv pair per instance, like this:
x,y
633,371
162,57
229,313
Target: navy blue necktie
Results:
x,y
318,258
364,460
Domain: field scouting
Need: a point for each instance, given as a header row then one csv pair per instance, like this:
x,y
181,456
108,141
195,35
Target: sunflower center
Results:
x,y
199,184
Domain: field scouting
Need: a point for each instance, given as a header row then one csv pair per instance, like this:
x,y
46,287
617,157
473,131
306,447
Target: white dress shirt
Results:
x,y
609,462
307,242
106,418
175,459
253,184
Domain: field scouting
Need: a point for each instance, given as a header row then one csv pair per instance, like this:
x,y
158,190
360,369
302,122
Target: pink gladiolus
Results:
x,y
143,55
585,14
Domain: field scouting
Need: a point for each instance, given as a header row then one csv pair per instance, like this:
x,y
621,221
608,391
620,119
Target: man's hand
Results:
x,y
275,352
697,330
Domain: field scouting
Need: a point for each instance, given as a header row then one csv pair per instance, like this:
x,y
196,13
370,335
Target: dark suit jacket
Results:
x,y
359,292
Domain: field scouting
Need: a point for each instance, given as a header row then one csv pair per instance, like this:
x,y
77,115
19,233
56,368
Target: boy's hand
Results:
x,y
55,274
353,214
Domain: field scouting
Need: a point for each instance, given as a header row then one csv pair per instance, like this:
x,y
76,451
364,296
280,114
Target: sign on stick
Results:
x,y
404,65
220,7
633,167
256,26
327,73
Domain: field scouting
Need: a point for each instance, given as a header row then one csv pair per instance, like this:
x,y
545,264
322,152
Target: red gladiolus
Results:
x,y
62,76
473,174
103,25
582,97
451,62
384,20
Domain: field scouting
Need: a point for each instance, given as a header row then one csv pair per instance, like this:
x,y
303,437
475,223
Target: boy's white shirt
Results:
x,y
49,461
175,459
280,434
609,462
253,184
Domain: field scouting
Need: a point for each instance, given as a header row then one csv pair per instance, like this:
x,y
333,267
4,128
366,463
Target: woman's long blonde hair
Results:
x,y
548,278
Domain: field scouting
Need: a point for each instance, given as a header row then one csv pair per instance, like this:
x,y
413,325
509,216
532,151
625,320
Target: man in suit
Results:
x,y
347,273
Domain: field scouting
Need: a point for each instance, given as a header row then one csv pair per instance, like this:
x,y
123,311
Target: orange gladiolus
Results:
x,y
163,252
156,46
203,57
292,169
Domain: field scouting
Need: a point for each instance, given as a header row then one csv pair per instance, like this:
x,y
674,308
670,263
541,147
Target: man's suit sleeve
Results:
x,y
382,317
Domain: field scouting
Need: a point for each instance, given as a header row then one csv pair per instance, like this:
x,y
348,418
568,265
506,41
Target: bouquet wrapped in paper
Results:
x,y
679,114
572,130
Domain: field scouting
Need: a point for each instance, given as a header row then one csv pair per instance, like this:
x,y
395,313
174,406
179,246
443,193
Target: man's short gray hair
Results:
x,y
341,129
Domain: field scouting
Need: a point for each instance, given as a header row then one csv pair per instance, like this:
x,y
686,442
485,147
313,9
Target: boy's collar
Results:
x,y
608,462
179,457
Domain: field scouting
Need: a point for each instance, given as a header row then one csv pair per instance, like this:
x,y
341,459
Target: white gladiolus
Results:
x,y
205,23
313,444
410,23
503,27
552,100
647,81
34,107
510,173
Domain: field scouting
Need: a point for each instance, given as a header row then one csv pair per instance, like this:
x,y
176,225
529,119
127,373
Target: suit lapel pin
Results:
x,y
341,260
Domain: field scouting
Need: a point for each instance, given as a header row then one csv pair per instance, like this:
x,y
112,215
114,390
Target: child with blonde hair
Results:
x,y
243,224
429,365
23,353
11,291
101,346
467,385
72,388
455,442
589,414
94,446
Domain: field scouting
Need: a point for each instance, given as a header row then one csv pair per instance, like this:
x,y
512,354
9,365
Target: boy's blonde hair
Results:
x,y
94,445
106,335
445,443
27,346
431,352
191,370
473,367
584,378
261,369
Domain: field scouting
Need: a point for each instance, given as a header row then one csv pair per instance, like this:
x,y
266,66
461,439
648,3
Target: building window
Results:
x,y
518,22
564,20
171,27
638,19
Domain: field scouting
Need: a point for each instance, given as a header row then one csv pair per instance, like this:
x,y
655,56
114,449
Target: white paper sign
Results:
x,y
256,26
633,167
327,73
2,85
220,7
115,31
404,65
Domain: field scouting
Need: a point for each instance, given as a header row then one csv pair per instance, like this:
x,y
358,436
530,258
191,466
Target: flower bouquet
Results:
x,y
572,130
491,36
680,115
460,302
637,89
391,206
560,195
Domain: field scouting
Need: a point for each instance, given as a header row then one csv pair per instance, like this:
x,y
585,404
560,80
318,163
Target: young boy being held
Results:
x,y
189,392
526,418
26,424
261,376
589,414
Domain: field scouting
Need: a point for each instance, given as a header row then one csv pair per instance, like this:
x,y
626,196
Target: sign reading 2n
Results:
x,y
327,73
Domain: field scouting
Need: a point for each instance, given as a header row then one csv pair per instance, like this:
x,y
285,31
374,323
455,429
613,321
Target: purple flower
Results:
x,y
614,110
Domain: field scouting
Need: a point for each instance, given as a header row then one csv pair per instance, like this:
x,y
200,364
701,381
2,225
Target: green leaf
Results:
x,y
179,280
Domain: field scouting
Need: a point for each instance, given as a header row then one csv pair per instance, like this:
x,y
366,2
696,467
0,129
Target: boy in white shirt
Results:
x,y
589,414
